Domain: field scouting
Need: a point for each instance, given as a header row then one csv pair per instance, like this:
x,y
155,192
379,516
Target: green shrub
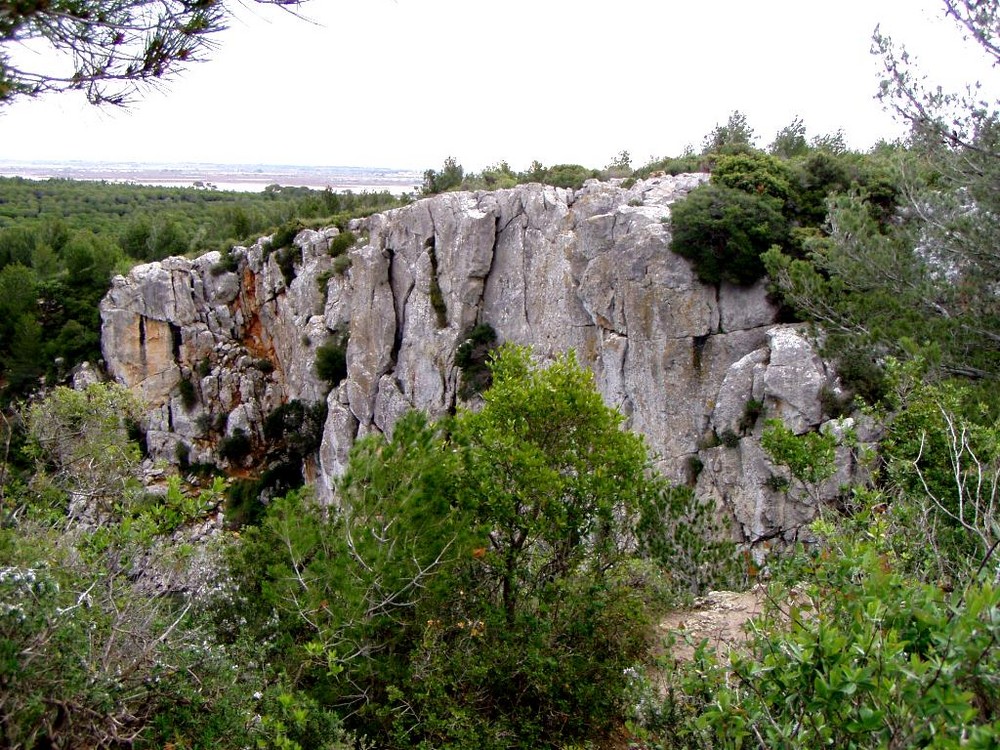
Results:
x,y
341,263
679,532
400,609
188,393
776,483
331,361
228,263
449,178
205,423
297,426
286,258
568,175
204,367
284,236
182,454
751,413
724,231
835,405
861,657
243,503
755,173
674,166
694,468
341,243
235,447
323,279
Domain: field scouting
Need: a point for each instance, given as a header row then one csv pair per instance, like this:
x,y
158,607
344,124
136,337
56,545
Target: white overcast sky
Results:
x,y
405,83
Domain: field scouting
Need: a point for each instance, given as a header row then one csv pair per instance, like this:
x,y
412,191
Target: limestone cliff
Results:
x,y
557,269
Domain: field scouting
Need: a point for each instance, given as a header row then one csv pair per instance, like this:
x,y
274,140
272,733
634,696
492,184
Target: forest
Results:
x,y
494,578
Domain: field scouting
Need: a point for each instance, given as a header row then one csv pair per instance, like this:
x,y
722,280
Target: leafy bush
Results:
x,y
228,263
478,585
755,173
243,503
863,657
263,364
296,426
331,361
752,410
284,236
286,258
736,136
188,393
341,243
449,178
182,454
92,655
341,263
568,175
235,447
724,231
675,165
494,177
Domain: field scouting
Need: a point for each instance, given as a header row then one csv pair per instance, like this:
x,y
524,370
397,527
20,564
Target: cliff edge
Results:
x,y
215,345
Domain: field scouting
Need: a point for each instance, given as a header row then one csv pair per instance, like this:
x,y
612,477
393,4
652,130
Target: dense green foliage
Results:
x,y
331,360
478,585
724,231
500,175
757,201
887,281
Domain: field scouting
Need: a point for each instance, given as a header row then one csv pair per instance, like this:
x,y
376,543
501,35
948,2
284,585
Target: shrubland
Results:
x,y
484,580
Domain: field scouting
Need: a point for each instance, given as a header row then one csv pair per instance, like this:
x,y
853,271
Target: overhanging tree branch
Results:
x,y
110,49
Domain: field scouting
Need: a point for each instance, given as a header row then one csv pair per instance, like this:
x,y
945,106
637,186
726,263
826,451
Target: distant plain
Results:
x,y
239,177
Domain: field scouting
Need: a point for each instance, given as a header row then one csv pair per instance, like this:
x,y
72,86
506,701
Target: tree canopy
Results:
x,y
924,275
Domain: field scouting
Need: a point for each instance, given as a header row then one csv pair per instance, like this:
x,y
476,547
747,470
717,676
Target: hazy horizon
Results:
x,y
240,177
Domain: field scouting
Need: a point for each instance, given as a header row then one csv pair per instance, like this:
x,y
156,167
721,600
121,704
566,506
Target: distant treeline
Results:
x,y
62,240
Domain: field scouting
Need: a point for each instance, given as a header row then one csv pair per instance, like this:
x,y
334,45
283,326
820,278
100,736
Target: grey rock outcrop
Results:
x,y
589,270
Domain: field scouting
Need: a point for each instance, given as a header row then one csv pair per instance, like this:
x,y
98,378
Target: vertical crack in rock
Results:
x,y
142,342
175,341
398,311
627,406
697,349
497,232
437,296
718,306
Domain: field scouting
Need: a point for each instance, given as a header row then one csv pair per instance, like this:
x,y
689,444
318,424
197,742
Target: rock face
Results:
x,y
589,270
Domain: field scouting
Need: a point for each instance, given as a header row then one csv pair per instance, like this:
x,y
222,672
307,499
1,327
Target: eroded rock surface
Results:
x,y
558,269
